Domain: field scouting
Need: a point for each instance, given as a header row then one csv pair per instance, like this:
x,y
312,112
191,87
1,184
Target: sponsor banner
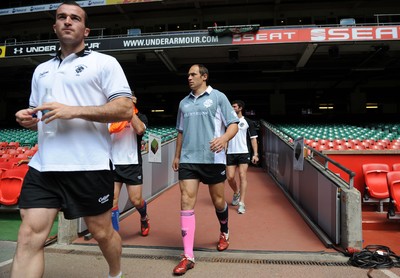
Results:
x,y
2,51
310,35
47,7
126,43
31,49
203,39
115,2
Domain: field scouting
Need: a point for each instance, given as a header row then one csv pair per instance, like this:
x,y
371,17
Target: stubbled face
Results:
x,y
236,107
70,24
195,79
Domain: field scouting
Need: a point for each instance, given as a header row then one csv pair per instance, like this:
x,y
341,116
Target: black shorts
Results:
x,y
237,158
77,194
129,174
206,173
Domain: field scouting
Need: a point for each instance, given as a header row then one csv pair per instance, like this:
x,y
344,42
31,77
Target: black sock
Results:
x,y
142,210
223,219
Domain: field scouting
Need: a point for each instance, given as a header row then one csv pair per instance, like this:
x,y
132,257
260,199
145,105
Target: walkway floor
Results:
x,y
269,224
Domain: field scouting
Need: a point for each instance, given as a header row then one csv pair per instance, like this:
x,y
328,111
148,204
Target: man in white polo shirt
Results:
x,y
71,171
238,155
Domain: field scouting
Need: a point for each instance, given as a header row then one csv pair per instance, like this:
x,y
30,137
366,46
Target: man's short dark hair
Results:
x,y
203,70
74,3
239,102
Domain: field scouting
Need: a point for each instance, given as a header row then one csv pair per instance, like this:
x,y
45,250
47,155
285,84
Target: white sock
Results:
x,y
119,275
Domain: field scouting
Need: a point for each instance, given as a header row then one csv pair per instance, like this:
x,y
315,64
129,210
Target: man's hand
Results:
x,y
27,118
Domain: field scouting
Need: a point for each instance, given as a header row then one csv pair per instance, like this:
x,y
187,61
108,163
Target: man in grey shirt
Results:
x,y
206,122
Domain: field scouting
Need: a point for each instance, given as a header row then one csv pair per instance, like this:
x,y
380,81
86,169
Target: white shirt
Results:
x,y
87,78
126,145
238,144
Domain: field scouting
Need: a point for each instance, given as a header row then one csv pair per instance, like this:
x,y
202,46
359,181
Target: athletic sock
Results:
x,y
115,218
223,219
142,209
188,227
119,275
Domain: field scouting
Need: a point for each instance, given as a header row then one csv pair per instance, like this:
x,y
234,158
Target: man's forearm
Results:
x,y
117,110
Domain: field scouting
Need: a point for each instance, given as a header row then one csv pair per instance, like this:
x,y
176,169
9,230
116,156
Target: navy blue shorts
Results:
x,y
129,174
77,194
206,173
237,158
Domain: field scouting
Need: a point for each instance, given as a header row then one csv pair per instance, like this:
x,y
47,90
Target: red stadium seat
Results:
x,y
341,147
323,148
370,141
339,141
308,141
393,180
315,145
5,166
3,145
6,156
376,186
359,147
30,152
10,185
22,156
365,144
15,160
396,167
13,145
377,147
349,145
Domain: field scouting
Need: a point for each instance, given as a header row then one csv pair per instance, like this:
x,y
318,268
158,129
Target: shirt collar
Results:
x,y
83,52
207,91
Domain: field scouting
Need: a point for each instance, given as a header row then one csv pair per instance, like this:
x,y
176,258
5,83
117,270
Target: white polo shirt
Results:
x,y
126,145
238,144
87,78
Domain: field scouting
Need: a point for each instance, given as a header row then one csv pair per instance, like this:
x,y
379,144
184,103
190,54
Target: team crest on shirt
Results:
x,y
208,103
79,69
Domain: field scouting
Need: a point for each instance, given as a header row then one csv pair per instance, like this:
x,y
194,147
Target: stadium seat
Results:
x,y
13,145
14,160
396,167
3,145
393,180
341,147
5,166
6,156
30,152
376,187
22,156
377,147
11,184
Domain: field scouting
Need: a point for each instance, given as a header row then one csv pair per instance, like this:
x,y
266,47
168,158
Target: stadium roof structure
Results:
x,y
309,64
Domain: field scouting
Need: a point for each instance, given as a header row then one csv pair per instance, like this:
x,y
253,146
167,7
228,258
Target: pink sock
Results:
x,y
188,227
